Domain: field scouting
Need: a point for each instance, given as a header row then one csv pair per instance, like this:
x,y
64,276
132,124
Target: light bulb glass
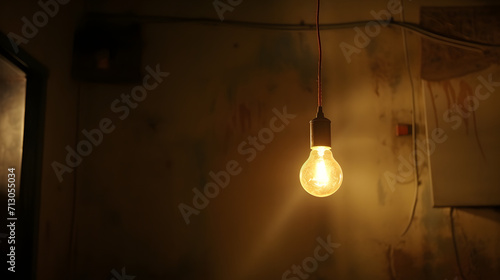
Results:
x,y
321,175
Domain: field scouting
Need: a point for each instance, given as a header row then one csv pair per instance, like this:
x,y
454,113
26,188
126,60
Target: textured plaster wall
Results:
x,y
223,85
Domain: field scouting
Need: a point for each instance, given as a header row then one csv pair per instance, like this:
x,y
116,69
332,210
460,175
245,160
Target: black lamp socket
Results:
x,y
320,130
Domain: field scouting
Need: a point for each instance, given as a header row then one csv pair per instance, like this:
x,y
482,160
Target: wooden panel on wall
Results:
x,y
461,104
463,139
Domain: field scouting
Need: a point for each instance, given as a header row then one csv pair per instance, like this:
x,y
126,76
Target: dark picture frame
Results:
x,y
28,195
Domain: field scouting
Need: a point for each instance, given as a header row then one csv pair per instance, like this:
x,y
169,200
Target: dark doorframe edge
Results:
x,y
28,203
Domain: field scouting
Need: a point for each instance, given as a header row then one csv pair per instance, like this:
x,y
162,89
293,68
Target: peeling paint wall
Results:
x,y
228,86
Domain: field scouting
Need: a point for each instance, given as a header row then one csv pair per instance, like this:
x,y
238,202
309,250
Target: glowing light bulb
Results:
x,y
321,175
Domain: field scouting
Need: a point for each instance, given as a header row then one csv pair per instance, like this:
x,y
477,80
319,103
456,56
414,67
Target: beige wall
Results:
x,y
223,85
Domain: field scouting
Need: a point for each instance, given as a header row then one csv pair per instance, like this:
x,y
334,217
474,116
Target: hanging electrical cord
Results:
x,y
413,127
454,238
320,57
459,43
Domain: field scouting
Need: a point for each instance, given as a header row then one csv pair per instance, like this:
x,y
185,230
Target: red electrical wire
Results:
x,y
320,94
